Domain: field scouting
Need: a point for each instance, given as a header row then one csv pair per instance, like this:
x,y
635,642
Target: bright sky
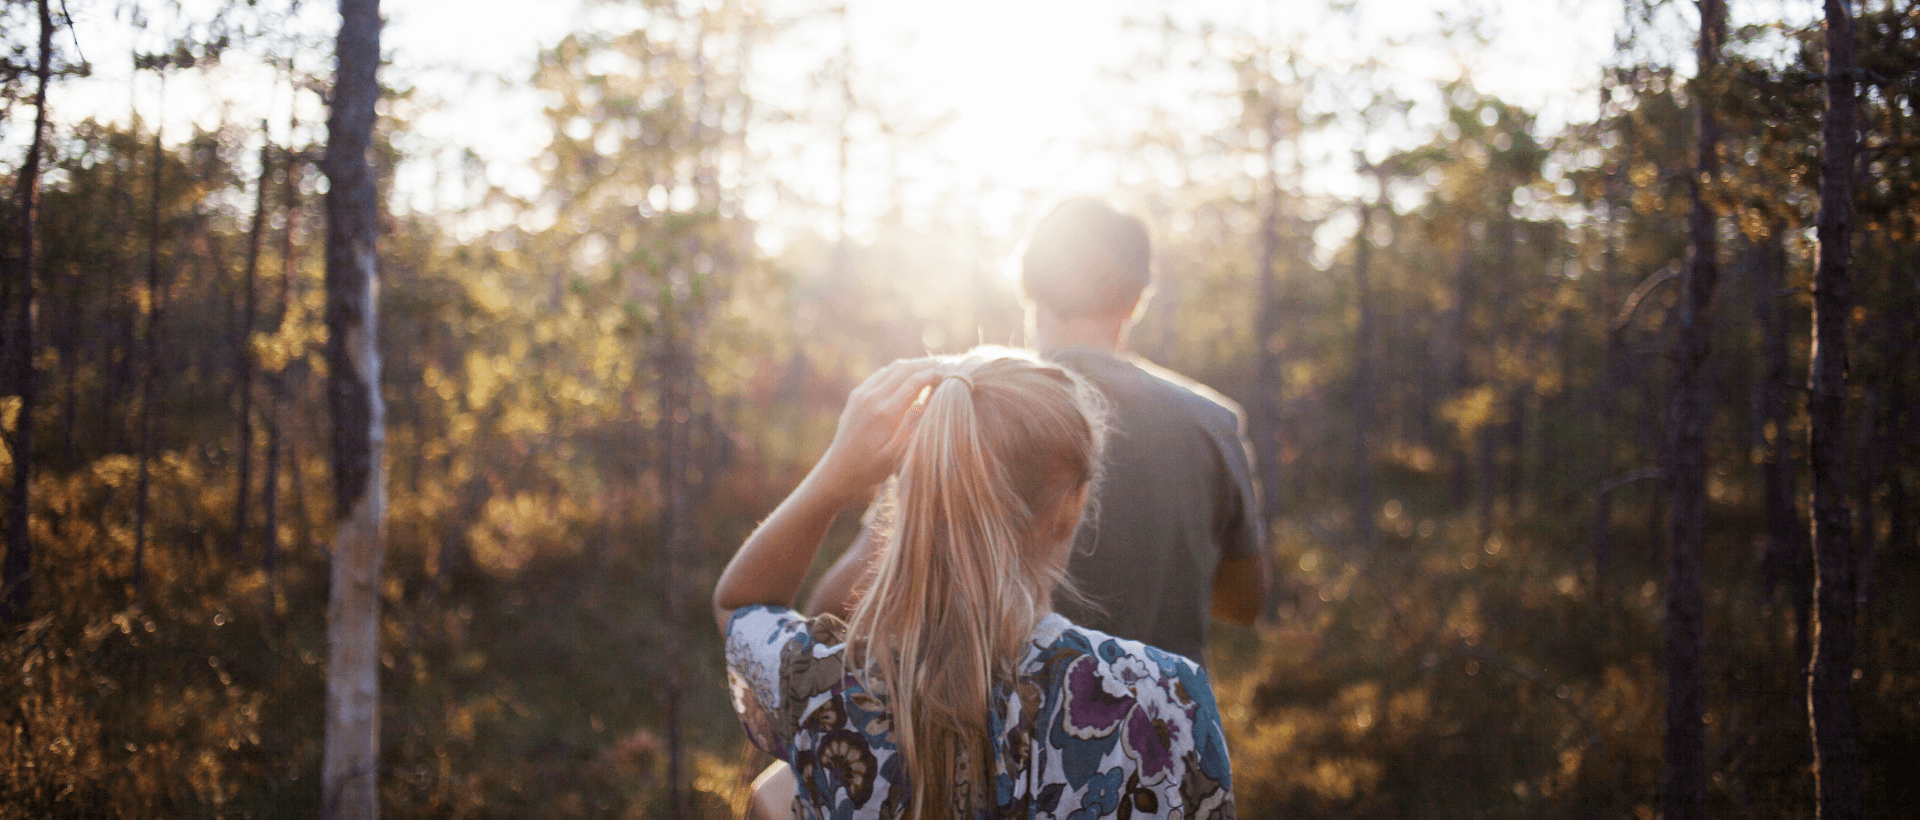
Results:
x,y
1021,86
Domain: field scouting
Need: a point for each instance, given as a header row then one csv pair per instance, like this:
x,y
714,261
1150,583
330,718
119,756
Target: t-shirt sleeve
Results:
x,y
1240,518
779,665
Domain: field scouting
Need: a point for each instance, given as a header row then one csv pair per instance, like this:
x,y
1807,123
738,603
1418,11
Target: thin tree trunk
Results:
x,y
277,382
1454,368
249,307
1686,766
149,351
350,760
1789,557
1609,386
674,526
1268,388
16,574
1830,676
1363,375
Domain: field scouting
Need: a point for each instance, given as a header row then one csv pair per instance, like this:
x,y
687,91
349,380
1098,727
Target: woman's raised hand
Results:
x,y
874,428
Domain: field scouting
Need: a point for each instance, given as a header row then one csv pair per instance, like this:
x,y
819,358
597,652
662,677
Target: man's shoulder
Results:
x,y
1208,404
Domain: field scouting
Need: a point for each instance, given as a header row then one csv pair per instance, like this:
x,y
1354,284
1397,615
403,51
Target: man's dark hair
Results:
x,y
1086,258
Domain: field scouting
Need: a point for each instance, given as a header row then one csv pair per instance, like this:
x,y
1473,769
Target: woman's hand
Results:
x,y
880,417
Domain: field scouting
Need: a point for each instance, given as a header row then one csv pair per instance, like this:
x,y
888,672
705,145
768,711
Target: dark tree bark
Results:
x,y
349,773
1609,381
244,366
1830,676
1789,557
1685,791
16,574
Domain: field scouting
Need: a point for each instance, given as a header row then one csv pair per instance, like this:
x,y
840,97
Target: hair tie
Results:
x,y
964,378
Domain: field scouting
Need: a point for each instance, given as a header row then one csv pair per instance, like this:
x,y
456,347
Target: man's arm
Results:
x,y
1243,580
1240,588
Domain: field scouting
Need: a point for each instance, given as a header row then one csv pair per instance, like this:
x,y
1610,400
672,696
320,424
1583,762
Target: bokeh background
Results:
x,y
634,251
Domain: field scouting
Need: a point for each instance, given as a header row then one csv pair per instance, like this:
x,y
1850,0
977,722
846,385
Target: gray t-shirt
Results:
x,y
1177,498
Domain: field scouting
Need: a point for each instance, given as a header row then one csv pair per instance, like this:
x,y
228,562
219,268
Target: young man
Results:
x,y
1178,533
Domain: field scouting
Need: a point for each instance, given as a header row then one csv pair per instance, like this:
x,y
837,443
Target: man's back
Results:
x,y
1177,498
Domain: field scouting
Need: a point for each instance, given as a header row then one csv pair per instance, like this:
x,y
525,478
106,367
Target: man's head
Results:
x,y
1086,260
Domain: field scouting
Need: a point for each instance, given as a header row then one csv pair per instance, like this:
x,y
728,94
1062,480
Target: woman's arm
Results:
x,y
880,415
838,590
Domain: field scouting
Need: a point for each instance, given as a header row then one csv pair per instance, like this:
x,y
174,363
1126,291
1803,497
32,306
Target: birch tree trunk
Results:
x,y
16,574
1830,676
1685,791
350,762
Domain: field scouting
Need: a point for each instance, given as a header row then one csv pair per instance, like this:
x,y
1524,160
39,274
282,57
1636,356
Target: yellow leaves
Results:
x,y
489,295
1358,705
514,529
115,471
437,381
1643,174
1464,621
9,413
299,335
486,376
1342,778
1469,411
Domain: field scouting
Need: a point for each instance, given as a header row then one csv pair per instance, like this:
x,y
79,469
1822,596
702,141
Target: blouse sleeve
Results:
x,y
778,665
1207,784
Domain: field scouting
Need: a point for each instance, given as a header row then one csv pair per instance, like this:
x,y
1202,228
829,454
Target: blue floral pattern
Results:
x,y
1093,727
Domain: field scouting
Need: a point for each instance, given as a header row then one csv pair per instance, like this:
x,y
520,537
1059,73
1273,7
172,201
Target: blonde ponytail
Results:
x,y
965,575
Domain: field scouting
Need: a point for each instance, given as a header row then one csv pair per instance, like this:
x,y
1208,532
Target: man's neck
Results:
x,y
1099,332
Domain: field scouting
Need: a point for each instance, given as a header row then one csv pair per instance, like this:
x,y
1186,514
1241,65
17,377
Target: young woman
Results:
x,y
954,691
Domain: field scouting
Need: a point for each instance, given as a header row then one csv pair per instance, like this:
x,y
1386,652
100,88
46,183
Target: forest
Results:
x,y
1589,445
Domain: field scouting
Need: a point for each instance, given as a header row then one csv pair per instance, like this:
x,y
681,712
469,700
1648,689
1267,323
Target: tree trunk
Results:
x,y
1686,766
1268,389
1454,367
1609,382
149,351
243,379
16,574
1363,506
350,765
277,383
1789,557
1830,676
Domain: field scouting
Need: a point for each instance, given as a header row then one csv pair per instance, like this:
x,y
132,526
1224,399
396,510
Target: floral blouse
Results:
x,y
1094,726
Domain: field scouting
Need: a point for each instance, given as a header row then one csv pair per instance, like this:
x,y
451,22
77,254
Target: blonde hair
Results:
x,y
969,569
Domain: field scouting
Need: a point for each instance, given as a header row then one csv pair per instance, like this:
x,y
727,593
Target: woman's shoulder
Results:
x,y
1128,724
777,662
1058,637
770,625
1077,661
